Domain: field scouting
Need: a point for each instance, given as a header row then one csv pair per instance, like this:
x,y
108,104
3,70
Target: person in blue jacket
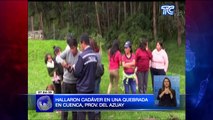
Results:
x,y
85,72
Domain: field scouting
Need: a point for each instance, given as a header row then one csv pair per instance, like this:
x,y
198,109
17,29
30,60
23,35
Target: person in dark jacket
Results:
x,y
85,72
166,95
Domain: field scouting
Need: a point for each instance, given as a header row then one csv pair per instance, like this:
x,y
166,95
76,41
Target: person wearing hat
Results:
x,y
128,62
143,56
85,72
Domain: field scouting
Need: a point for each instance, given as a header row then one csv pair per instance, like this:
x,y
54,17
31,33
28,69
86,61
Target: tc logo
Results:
x,y
168,9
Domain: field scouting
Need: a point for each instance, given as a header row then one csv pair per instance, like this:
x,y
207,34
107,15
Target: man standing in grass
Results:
x,y
85,71
69,81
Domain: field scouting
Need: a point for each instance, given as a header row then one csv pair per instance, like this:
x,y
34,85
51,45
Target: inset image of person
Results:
x,y
167,95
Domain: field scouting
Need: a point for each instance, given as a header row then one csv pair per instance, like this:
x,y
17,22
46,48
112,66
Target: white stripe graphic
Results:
x,y
88,55
90,61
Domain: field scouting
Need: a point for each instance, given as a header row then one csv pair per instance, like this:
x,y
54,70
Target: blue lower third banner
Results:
x,y
103,102
68,102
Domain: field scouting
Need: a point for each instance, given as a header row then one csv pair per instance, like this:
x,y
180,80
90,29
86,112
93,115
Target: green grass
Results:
x,y
38,79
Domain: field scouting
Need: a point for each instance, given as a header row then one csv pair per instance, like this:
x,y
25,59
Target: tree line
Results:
x,y
110,20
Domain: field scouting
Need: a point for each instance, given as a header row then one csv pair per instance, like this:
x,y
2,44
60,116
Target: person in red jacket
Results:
x,y
114,57
143,56
128,63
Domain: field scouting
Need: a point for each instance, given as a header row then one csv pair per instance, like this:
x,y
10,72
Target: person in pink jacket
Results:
x,y
159,63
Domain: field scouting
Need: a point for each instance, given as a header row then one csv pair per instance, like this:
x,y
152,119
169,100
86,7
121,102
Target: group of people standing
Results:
x,y
73,70
79,71
136,66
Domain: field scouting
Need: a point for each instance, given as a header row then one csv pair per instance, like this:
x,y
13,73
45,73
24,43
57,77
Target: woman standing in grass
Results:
x,y
95,48
128,62
143,57
159,64
114,57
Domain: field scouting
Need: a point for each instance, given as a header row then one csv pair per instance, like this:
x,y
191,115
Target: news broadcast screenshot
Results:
x,y
106,60
102,60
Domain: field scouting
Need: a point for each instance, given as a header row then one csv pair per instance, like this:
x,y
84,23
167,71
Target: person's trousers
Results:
x,y
71,89
154,72
57,86
82,114
97,85
114,78
142,81
129,83
97,91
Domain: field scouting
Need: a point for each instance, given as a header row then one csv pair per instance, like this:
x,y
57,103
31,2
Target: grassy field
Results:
x,y
38,79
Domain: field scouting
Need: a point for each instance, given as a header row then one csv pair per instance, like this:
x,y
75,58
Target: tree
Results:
x,y
41,22
135,6
139,6
32,26
125,11
178,24
131,8
97,15
154,21
119,12
109,19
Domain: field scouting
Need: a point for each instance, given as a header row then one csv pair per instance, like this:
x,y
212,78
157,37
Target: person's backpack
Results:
x,y
50,71
99,70
59,68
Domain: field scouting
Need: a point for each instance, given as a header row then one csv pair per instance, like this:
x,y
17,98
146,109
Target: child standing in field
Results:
x,y
58,68
128,62
114,56
143,57
52,71
50,64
